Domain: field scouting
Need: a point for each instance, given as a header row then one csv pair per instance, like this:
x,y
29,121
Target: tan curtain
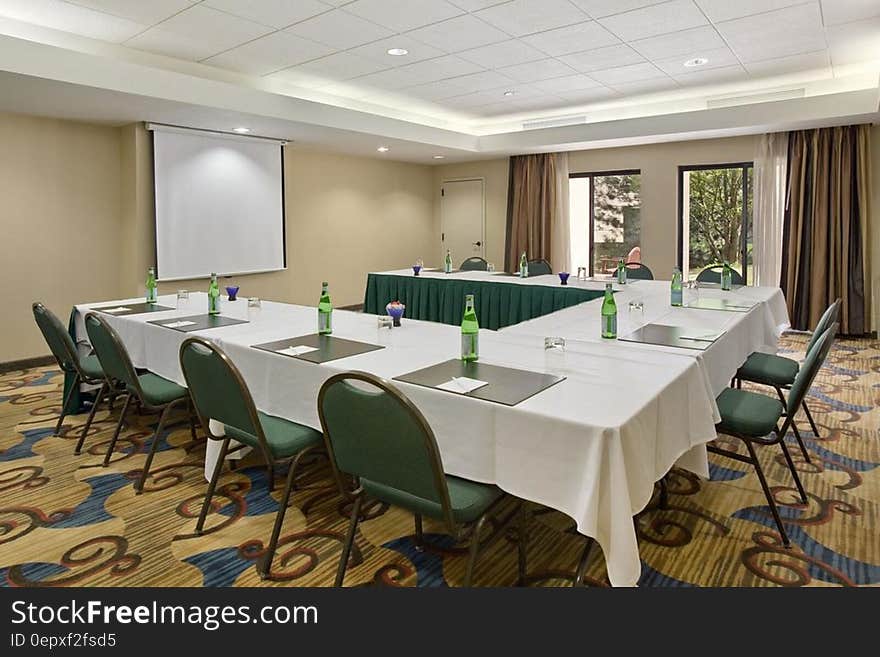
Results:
x,y
532,199
826,221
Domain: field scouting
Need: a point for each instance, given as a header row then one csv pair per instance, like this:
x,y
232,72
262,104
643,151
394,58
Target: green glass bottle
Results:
x,y
325,312
621,272
609,314
447,263
523,266
214,296
676,290
726,276
152,288
470,332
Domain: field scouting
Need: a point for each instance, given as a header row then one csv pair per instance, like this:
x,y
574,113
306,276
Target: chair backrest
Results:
x,y
539,267
807,372
111,353
57,338
638,271
218,389
828,318
474,263
712,274
373,431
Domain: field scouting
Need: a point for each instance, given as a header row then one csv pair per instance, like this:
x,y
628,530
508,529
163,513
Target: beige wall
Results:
x,y
59,216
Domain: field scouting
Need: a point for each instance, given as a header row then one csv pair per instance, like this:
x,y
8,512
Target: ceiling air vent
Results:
x,y
751,99
558,122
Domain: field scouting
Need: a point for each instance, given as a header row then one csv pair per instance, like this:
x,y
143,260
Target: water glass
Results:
x,y
254,308
182,299
554,342
385,321
582,273
490,266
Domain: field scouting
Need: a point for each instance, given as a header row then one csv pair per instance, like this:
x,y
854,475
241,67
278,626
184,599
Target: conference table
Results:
x,y
592,446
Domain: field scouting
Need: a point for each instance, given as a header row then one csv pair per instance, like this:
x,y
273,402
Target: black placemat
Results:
x,y
329,347
727,305
673,336
133,308
506,385
202,322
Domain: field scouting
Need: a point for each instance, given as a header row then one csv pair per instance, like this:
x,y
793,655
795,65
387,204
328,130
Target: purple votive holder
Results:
x,y
232,290
416,269
563,277
395,310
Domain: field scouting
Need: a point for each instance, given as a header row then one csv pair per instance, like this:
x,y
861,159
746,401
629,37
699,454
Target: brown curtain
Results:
x,y
531,204
825,231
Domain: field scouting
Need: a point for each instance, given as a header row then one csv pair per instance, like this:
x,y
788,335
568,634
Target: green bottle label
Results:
x,y
609,326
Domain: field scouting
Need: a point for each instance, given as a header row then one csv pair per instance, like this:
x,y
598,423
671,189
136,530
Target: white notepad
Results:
x,y
179,324
701,337
118,309
296,351
462,384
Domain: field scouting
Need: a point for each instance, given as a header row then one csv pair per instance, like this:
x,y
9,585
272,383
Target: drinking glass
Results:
x,y
490,266
554,342
582,273
254,308
182,299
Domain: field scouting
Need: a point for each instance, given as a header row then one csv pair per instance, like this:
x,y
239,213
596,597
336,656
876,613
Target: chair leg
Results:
x,y
65,403
810,418
139,486
192,420
270,474
522,544
349,540
118,429
582,563
200,524
794,474
85,431
264,567
474,549
800,441
757,464
420,533
663,500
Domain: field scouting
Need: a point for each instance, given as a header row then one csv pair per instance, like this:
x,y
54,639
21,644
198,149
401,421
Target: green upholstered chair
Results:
x,y
219,393
712,274
153,392
474,263
638,272
780,372
86,369
539,267
380,445
754,419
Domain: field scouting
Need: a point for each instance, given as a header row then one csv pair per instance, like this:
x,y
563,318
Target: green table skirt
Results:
x,y
498,304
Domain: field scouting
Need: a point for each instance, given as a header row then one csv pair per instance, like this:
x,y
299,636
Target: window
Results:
x,y
715,218
606,224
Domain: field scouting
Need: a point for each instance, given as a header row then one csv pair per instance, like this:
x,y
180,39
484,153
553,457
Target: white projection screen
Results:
x,y
219,204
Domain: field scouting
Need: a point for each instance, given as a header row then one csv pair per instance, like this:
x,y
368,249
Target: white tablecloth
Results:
x,y
592,446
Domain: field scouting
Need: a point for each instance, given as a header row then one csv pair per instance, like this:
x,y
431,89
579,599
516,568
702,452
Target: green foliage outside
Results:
x,y
617,224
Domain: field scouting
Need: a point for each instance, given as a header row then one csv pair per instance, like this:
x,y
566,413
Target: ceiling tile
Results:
x,y
713,76
378,51
725,10
541,70
277,13
685,42
656,19
600,8
146,13
779,33
448,66
459,33
520,17
505,53
483,80
583,96
437,90
645,86
340,66
836,12
197,33
269,53
718,58
402,15
339,30
567,83
855,42
393,78
806,62
475,5
608,57
631,73
572,38
71,18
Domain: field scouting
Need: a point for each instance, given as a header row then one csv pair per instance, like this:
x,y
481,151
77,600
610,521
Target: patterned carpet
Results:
x,y
66,521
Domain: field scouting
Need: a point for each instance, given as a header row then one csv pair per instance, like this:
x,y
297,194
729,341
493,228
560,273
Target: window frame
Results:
x,y
591,175
744,240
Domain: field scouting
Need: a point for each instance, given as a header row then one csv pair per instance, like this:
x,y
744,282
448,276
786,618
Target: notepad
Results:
x,y
462,384
179,324
118,309
296,351
701,337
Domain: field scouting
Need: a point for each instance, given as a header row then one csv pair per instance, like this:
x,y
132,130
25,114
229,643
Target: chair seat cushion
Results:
x,y
91,367
159,391
285,438
747,413
769,368
469,499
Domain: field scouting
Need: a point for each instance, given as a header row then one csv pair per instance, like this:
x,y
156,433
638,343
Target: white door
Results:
x,y
461,220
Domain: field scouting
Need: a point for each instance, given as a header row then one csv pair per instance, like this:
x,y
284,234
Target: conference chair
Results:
x,y
381,445
780,372
153,392
219,392
539,267
474,263
712,274
754,419
86,369
638,271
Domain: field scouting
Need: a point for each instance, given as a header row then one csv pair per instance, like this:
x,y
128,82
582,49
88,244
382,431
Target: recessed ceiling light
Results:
x,y
241,131
398,52
696,61
439,157
509,92
383,149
